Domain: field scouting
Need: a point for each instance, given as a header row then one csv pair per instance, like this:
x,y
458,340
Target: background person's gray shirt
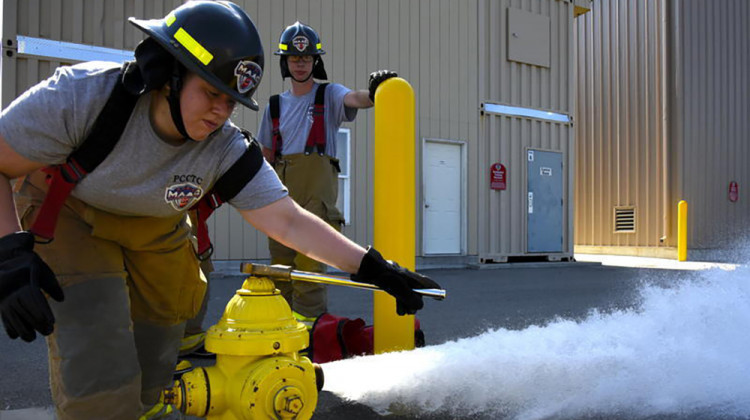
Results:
x,y
296,119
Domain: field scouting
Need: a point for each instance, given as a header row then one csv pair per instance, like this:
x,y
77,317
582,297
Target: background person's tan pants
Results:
x,y
129,283
313,183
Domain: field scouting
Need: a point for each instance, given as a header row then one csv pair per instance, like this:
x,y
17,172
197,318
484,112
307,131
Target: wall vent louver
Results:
x,y
624,219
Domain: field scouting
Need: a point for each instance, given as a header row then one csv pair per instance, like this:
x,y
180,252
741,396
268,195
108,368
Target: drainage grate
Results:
x,y
624,219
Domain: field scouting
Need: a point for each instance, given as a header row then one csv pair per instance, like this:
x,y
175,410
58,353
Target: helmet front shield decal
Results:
x,y
300,43
248,75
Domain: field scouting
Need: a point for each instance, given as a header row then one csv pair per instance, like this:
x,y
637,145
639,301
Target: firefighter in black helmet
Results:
x,y
112,291
298,133
301,40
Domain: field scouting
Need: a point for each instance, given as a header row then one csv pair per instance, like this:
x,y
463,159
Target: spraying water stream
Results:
x,y
683,351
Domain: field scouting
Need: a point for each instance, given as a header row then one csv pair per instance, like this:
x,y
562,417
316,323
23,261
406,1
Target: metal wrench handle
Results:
x,y
285,273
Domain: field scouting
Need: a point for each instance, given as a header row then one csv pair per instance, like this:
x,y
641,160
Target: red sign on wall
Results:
x,y
497,176
734,192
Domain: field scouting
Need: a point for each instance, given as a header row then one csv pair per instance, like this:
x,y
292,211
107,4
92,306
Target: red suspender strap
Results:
x,y
104,134
317,136
275,133
226,187
62,179
204,208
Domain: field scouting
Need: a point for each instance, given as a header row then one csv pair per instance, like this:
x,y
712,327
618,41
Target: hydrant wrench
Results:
x,y
285,273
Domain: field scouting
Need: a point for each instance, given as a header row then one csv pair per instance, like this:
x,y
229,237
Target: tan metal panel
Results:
x,y
98,23
528,37
619,125
501,215
361,229
505,211
468,120
621,131
712,62
434,45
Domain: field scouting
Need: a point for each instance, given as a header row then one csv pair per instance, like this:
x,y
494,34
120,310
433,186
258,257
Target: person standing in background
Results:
x,y
298,134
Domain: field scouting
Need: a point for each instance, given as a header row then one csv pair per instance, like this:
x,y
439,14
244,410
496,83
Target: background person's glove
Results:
x,y
23,277
395,280
376,78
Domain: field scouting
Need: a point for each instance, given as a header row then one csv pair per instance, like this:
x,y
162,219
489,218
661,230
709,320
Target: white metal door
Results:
x,y
442,207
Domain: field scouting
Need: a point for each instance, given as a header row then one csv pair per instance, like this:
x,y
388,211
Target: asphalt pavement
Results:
x,y
510,297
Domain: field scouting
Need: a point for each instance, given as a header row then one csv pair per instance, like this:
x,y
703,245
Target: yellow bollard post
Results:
x,y
394,204
682,209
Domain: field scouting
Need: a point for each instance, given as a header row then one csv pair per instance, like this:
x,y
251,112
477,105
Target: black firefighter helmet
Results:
x,y
216,40
300,39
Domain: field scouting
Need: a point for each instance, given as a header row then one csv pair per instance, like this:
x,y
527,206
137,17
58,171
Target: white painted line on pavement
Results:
x,y
645,262
34,413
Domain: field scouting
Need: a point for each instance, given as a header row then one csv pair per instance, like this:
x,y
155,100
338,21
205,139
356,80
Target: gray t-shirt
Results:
x,y
142,175
296,119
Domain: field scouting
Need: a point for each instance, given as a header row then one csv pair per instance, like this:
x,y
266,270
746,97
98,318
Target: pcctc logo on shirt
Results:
x,y
183,196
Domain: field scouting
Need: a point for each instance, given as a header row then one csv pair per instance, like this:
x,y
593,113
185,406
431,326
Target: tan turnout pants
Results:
x,y
129,283
313,183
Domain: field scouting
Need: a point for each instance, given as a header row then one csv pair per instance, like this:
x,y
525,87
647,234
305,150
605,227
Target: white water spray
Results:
x,y
684,350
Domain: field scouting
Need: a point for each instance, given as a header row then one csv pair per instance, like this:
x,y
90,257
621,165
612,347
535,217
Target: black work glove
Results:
x,y
376,78
395,280
23,277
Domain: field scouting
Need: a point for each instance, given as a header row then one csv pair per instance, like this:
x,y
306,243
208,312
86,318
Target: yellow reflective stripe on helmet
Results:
x,y
193,46
319,46
169,19
282,47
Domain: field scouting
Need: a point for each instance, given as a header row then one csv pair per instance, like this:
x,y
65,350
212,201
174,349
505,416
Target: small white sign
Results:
x,y
531,155
544,171
531,202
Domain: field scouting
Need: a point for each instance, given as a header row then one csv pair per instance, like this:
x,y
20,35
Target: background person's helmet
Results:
x,y
300,39
217,41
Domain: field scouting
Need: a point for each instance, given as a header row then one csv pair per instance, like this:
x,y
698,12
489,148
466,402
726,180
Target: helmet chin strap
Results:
x,y
301,81
175,85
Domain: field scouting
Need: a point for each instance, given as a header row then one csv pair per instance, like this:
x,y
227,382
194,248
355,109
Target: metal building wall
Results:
x,y
432,44
620,130
501,215
641,64
92,22
444,49
712,118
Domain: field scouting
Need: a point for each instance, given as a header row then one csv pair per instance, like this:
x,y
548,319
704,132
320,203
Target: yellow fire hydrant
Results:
x,y
259,373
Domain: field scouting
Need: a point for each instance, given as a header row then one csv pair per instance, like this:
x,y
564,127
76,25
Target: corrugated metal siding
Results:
x,y
361,37
619,126
501,226
93,22
431,44
505,212
713,58
444,57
